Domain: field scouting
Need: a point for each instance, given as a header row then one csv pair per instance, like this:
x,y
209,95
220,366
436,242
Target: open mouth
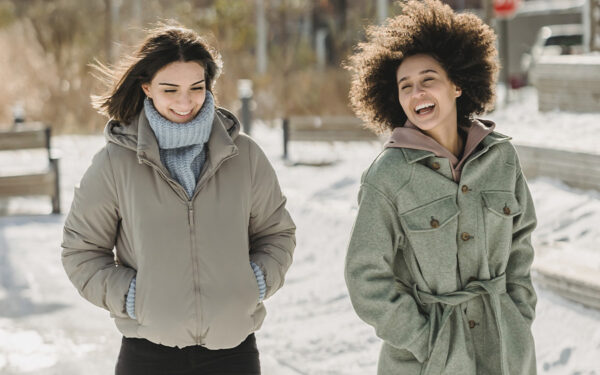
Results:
x,y
425,108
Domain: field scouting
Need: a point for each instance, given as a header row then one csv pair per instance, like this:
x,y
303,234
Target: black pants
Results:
x,y
139,356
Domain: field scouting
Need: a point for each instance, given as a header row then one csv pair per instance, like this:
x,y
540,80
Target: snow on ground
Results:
x,y
47,328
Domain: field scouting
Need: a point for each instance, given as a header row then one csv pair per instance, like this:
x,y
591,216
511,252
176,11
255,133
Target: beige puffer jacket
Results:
x,y
195,285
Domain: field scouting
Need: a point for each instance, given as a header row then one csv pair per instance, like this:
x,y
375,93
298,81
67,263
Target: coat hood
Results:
x,y
137,135
410,137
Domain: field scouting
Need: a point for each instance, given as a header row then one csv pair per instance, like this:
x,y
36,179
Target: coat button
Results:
x,y
465,236
464,189
434,223
472,324
506,210
435,165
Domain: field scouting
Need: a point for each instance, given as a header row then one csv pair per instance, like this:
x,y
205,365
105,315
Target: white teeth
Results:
x,y
182,113
424,105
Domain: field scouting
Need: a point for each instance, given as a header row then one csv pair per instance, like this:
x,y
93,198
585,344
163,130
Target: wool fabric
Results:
x,y
181,145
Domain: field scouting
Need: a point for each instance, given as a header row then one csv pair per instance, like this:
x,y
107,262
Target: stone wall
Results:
x,y
568,83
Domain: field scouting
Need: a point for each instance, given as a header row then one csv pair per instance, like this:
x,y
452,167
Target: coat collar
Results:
x,y
413,155
139,137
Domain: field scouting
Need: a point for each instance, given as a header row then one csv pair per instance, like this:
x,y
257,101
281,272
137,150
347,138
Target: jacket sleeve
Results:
x,y
271,229
518,268
89,237
376,237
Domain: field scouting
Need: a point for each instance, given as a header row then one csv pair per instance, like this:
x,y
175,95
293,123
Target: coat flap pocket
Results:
x,y
431,216
502,203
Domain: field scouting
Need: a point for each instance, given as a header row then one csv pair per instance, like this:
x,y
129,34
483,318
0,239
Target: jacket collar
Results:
x,y
139,137
417,146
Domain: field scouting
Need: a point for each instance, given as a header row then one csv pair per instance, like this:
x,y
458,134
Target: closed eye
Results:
x,y
405,87
169,91
198,88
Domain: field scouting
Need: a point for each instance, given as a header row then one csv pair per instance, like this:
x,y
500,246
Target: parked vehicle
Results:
x,y
553,40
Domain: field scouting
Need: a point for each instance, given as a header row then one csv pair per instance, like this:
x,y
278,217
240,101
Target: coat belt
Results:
x,y
440,347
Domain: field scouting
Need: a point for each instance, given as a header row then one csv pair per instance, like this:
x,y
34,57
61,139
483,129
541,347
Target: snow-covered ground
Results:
x,y
47,328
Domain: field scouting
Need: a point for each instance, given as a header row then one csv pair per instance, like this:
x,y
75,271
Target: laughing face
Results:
x,y
427,95
177,91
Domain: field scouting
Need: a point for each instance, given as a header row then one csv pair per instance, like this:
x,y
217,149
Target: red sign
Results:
x,y
505,8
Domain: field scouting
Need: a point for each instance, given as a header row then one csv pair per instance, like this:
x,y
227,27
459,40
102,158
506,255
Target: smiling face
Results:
x,y
427,95
177,91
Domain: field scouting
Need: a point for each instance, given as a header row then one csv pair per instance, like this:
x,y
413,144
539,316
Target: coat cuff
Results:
x,y
260,279
130,300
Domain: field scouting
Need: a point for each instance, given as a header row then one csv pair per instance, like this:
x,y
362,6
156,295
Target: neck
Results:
x,y
448,137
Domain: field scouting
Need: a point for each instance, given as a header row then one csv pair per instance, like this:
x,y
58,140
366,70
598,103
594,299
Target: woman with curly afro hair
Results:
x,y
440,254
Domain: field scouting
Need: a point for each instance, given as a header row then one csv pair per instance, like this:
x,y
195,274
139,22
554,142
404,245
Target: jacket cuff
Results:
x,y
260,279
130,300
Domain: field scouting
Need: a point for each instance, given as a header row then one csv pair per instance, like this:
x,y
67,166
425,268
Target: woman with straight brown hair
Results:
x,y
179,227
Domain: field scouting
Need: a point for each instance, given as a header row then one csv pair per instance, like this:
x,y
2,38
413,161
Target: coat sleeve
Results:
x,y
271,229
518,268
376,237
89,237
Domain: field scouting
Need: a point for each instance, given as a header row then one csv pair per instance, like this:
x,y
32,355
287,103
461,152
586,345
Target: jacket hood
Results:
x,y
410,137
137,135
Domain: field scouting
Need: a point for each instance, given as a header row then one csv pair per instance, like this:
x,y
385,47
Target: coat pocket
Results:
x,y
501,203
431,232
501,207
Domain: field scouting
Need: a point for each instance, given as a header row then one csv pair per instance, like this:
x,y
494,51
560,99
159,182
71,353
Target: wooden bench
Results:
x,y
325,128
31,136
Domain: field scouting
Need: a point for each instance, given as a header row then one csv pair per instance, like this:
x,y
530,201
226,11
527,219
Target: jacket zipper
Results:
x,y
194,254
197,289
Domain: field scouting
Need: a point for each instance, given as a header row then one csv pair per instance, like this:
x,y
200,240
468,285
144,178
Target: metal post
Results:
x,y
245,96
286,137
18,114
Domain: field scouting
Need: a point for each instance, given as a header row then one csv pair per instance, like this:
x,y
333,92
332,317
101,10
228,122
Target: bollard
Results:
x,y
18,114
245,95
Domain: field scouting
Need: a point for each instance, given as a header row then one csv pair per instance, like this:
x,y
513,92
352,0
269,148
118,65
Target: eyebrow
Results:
x,y
174,85
422,72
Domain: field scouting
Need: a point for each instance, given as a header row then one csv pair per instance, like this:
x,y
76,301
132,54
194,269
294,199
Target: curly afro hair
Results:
x,y
461,43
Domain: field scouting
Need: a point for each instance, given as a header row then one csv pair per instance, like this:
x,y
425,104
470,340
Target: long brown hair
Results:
x,y
163,45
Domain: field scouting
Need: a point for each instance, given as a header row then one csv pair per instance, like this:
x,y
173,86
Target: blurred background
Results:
x,y
291,50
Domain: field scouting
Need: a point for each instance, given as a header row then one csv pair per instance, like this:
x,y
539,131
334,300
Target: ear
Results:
x,y
146,88
458,92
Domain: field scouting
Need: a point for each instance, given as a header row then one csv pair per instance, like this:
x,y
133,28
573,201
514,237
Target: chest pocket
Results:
x,y
501,207
431,232
501,203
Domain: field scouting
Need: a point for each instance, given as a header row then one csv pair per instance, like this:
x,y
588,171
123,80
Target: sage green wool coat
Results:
x,y
441,269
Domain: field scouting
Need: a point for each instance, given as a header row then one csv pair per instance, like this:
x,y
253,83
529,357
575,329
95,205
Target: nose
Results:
x,y
184,100
418,91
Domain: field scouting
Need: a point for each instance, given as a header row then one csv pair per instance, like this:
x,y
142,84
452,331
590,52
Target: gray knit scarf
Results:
x,y
181,146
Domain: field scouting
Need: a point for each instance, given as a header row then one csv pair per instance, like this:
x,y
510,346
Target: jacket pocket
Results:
x,y
255,289
501,203
431,233
501,207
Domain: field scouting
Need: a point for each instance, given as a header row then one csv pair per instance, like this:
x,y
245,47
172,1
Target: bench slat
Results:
x,y
34,184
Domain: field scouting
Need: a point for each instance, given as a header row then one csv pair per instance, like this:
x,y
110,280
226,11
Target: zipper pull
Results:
x,y
191,215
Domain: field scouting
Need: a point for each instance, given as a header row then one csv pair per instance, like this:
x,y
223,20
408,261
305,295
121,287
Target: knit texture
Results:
x,y
260,279
130,302
181,146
